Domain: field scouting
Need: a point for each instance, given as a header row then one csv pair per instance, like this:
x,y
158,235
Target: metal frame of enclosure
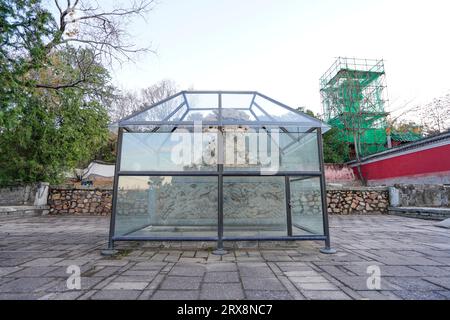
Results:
x,y
144,138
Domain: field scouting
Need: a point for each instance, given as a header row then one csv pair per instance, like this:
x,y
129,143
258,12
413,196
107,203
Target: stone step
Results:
x,y
23,210
429,213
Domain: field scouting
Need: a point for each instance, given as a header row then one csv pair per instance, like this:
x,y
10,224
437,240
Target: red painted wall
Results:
x,y
421,162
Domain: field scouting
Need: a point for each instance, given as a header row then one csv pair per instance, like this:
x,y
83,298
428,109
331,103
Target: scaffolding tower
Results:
x,y
353,99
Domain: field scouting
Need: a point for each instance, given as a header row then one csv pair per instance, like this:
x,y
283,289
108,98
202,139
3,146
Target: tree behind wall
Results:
x,y
49,141
334,149
52,94
127,102
430,118
51,131
435,116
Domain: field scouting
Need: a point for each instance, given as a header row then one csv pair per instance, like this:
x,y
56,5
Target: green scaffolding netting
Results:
x,y
352,93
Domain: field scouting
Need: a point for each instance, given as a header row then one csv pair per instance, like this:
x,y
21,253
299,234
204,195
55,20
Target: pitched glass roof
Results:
x,y
221,108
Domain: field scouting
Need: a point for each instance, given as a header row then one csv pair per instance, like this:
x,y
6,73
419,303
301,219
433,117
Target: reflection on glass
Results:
x,y
235,115
299,152
169,151
236,100
180,114
159,112
239,108
254,206
269,150
275,112
202,101
167,206
202,115
306,206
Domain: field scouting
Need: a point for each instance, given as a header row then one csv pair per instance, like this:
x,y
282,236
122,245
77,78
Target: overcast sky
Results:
x,y
281,48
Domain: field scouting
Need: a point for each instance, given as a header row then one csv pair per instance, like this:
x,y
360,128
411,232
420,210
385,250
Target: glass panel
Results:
x,y
213,115
297,129
159,112
235,107
235,115
269,151
177,116
169,151
202,100
202,115
306,206
249,149
236,100
279,113
167,206
142,128
299,152
254,206
260,115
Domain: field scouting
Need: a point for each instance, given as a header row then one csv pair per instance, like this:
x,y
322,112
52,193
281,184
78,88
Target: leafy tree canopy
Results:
x,y
335,150
52,99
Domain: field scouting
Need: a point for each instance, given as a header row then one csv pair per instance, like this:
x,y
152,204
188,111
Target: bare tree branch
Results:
x,y
58,6
435,116
85,24
127,103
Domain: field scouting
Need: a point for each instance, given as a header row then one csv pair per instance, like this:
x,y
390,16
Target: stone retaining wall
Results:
x,y
66,200
95,201
18,195
31,195
416,195
358,200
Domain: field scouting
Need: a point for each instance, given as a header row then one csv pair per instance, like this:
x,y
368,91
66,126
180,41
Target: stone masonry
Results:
x,y
358,200
18,195
89,201
66,200
416,195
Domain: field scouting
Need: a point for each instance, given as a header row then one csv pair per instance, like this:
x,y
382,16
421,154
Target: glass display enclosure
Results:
x,y
218,166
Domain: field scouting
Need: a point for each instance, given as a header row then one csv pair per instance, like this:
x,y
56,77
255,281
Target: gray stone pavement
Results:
x,y
413,257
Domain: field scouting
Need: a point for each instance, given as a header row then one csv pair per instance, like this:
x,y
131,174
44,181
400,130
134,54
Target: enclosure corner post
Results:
x,y
220,250
110,251
327,249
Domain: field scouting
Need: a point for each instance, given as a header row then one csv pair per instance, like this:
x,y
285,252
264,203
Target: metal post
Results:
x,y
219,104
220,158
110,250
323,190
288,205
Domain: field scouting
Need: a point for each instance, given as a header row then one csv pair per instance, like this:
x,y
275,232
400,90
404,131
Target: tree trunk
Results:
x,y
358,159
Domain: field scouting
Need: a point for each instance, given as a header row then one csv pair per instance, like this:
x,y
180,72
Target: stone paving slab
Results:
x,y
413,257
222,276
176,295
268,295
181,283
222,291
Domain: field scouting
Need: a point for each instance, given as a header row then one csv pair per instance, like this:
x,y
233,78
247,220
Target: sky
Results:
x,y
281,48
